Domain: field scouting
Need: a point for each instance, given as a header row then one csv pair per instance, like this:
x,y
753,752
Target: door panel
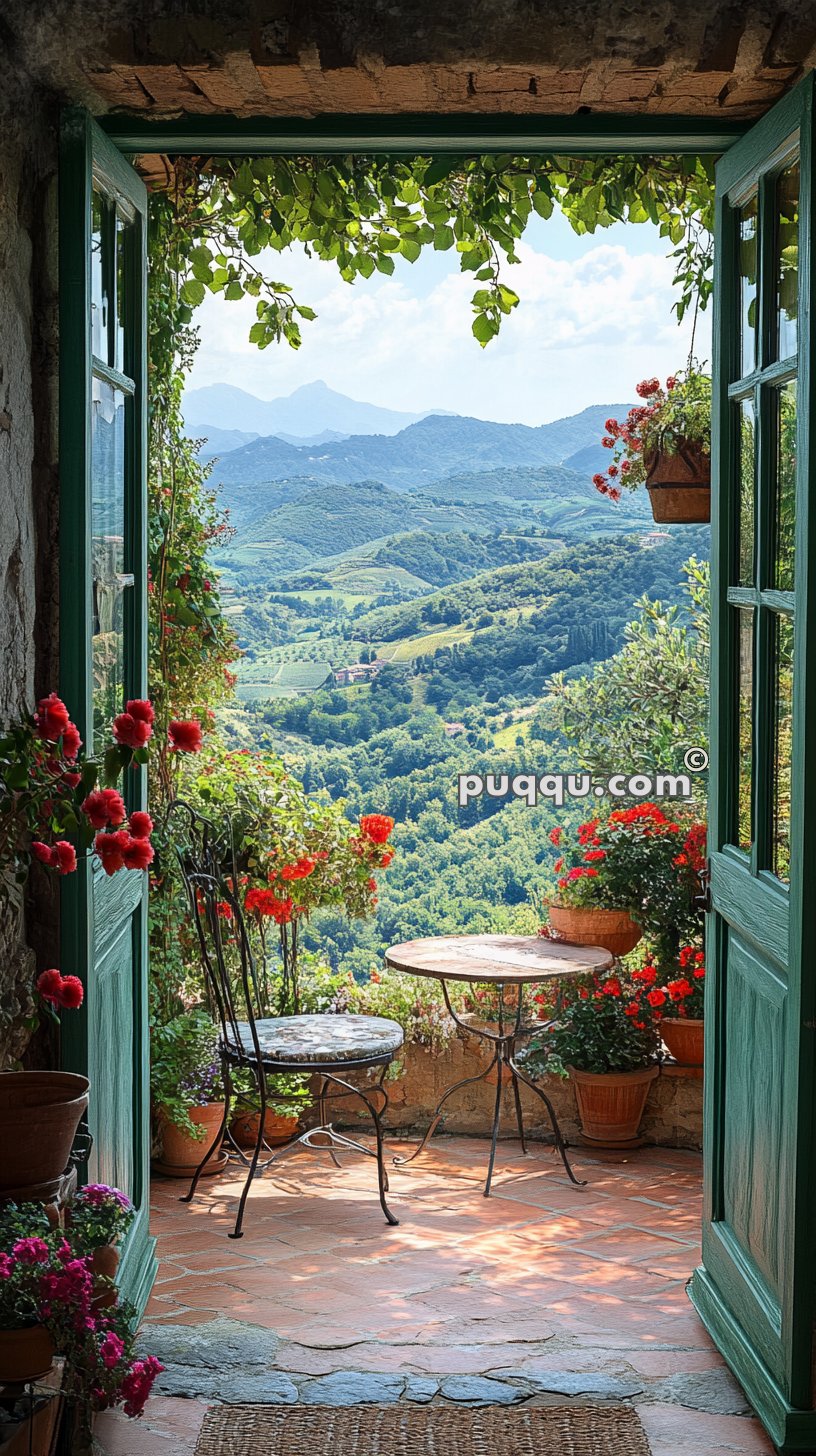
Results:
x,y
103,635
755,1289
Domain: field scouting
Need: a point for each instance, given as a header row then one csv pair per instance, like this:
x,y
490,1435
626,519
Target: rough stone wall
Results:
x,y
673,1115
312,57
28,493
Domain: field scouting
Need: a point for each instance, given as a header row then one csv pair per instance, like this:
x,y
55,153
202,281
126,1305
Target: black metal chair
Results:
x,y
329,1046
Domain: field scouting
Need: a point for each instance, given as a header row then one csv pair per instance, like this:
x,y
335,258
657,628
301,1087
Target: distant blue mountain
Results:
x,y
309,412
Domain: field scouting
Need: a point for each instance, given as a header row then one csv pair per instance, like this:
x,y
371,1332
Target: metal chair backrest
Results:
x,y
207,860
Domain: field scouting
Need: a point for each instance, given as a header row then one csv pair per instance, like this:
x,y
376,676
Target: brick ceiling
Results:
x,y
301,58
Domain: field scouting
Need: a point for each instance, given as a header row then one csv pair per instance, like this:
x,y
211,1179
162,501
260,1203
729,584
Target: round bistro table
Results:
x,y
508,963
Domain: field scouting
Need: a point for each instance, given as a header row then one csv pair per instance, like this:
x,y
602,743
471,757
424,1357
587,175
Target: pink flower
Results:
x,y
41,851
31,1251
111,1350
6,1266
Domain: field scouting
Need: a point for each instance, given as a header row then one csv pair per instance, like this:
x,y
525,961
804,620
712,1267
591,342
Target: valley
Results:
x,y
401,602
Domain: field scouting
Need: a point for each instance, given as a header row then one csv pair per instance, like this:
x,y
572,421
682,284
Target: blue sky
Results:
x,y
594,318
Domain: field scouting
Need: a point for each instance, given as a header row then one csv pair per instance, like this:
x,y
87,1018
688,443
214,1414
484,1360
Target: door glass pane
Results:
x,y
748,284
783,721
787,260
108,550
99,302
119,332
745,725
747,469
785,493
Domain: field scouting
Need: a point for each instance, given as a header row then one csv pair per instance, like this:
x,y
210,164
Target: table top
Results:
x,y
496,959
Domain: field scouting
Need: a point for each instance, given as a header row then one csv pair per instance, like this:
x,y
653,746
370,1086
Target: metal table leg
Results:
x,y
503,1041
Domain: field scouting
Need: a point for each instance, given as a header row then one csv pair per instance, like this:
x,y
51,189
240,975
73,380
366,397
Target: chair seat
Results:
x,y
322,1038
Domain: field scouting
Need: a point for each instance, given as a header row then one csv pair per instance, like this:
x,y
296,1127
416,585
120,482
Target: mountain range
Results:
x,y
429,450
310,415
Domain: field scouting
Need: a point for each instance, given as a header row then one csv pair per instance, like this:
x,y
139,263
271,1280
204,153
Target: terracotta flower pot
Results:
x,y
611,1104
613,930
278,1128
105,1264
39,1116
683,1036
679,484
25,1354
181,1153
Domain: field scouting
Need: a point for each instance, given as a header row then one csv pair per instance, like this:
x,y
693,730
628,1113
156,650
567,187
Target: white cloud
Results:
x,y
586,330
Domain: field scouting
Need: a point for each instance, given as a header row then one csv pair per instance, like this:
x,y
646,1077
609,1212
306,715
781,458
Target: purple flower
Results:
x,y
100,1194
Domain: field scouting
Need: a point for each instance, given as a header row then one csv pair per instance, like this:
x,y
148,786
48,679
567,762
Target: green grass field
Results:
x,y
407,648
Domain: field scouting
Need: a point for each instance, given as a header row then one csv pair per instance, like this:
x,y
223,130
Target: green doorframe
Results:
x,y
91,906
585,135
578,136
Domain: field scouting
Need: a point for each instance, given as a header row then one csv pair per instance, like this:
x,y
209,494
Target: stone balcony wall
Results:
x,y
673,1117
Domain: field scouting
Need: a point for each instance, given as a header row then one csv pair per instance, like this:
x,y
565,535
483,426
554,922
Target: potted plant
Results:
x,y
47,1308
619,876
188,1093
678,1005
605,1038
98,1218
287,1096
666,443
57,806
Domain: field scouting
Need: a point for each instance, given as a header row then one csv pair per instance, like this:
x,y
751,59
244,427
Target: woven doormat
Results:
x,y
403,1430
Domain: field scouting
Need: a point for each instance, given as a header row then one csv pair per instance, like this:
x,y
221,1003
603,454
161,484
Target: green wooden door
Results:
x,y
755,1289
103,635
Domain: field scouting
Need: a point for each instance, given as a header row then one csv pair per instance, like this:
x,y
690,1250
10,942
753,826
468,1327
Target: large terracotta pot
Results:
x,y
683,1036
278,1128
39,1116
181,1153
613,930
611,1104
679,484
25,1354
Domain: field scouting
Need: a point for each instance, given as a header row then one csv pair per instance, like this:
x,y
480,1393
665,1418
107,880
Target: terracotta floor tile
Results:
x,y
543,1275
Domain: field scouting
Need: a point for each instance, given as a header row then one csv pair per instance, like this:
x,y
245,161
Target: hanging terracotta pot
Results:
x,y
683,1037
613,930
611,1104
679,484
25,1354
278,1128
180,1152
39,1115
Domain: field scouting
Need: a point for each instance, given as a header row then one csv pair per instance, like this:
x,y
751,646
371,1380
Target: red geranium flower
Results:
x,y
556,835
72,993
131,732
186,735
51,718
141,709
376,827
138,854
64,857
103,807
111,850
141,825
41,851
656,997
71,742
298,871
